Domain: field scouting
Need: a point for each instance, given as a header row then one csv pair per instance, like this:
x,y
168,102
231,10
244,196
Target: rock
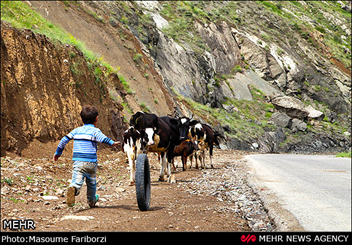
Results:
x,y
113,23
172,179
5,190
73,217
314,114
332,116
60,192
269,142
49,198
298,125
255,145
120,189
293,107
281,119
49,177
229,108
265,64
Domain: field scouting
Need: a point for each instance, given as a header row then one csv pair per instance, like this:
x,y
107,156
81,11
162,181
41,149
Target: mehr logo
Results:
x,y
17,224
248,238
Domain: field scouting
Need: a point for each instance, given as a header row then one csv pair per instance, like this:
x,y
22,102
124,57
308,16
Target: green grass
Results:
x,y
20,15
344,154
248,121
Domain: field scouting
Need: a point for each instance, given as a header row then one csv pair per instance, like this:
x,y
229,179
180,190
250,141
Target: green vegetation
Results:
x,y
137,57
125,84
248,120
9,181
324,17
292,17
344,154
144,108
20,15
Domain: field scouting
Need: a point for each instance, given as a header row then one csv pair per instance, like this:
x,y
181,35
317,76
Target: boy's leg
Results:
x,y
90,174
76,183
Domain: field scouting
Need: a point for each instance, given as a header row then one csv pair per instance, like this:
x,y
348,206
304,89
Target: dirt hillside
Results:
x,y
43,88
117,45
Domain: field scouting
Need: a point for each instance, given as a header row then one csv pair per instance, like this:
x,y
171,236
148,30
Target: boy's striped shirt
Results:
x,y
85,143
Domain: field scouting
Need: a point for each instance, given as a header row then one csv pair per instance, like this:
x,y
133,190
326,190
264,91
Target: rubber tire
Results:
x,y
143,182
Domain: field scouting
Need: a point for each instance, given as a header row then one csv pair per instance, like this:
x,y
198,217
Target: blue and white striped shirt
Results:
x,y
85,143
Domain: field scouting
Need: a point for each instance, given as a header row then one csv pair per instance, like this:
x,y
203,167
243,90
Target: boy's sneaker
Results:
x,y
96,200
71,192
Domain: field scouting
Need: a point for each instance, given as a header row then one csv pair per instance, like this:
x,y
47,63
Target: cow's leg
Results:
x,y
163,165
132,169
170,156
211,156
173,165
203,160
196,157
168,165
184,162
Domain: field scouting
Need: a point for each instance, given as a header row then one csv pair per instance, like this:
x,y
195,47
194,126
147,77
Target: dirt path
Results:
x,y
183,206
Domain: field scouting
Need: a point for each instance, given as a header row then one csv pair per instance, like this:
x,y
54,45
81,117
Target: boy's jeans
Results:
x,y
86,170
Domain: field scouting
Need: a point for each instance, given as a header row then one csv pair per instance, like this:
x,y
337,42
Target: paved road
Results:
x,y
315,189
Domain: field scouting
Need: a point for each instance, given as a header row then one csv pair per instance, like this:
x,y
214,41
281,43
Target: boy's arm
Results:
x,y
102,138
61,146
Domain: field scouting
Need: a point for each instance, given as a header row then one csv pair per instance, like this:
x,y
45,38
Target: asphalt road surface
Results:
x,y
315,189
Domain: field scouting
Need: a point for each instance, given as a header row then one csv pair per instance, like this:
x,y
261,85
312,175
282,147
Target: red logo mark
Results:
x,y
248,238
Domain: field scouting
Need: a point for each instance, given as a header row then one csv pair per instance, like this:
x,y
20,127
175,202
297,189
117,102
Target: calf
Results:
x,y
185,149
205,134
131,144
201,148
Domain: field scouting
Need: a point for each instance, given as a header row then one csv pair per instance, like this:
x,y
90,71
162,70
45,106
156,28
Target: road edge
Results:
x,y
283,219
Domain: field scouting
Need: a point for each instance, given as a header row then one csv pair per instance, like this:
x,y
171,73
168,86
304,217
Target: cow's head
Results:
x,y
149,136
185,123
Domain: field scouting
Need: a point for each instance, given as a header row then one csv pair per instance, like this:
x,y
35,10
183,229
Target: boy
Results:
x,y
84,156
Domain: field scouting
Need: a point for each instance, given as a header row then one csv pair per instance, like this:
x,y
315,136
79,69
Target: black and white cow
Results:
x,y
206,138
131,145
158,134
185,124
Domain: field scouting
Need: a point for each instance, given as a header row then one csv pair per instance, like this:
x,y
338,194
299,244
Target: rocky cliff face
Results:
x,y
296,69
213,53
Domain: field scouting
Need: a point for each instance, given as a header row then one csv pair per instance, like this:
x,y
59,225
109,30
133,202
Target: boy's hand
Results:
x,y
55,157
116,143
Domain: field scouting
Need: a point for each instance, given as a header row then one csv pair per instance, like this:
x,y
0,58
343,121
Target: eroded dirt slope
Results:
x,y
43,87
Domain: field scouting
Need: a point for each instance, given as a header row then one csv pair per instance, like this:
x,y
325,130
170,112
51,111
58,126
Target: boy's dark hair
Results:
x,y
88,114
